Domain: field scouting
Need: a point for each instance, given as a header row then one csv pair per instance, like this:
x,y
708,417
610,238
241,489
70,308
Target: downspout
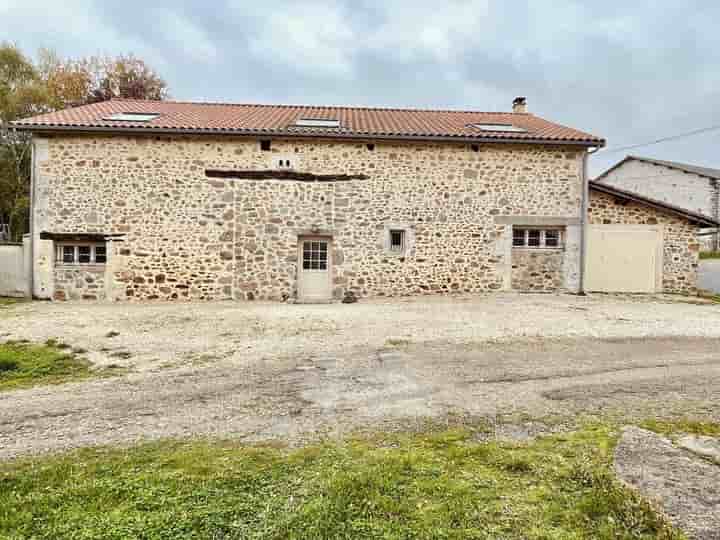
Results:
x,y
584,219
717,214
31,270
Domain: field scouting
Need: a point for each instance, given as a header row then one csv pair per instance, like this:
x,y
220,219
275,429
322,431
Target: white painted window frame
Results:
x,y
60,259
542,244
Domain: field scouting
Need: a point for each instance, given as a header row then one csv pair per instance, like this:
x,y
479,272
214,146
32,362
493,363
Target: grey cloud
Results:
x,y
628,71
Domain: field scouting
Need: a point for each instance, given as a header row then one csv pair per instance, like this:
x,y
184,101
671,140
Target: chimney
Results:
x,y
520,105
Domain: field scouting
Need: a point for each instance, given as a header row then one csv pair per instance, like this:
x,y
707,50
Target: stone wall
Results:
x,y
690,191
79,282
680,238
537,269
187,236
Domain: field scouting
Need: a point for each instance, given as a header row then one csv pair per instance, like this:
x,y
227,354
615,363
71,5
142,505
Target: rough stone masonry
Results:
x,y
188,236
182,233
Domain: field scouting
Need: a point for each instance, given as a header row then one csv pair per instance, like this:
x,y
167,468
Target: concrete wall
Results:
x,y
187,236
14,269
686,190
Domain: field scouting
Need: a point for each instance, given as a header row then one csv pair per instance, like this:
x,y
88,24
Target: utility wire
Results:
x,y
661,140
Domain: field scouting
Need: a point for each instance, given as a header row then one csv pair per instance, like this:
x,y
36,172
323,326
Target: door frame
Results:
x,y
314,238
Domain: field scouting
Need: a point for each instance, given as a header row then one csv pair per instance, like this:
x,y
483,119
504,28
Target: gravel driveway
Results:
x,y
262,371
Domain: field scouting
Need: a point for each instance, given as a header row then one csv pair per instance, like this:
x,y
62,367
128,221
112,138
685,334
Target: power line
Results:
x,y
661,140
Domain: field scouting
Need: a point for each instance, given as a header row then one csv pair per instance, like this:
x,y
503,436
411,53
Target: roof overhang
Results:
x,y
259,133
697,219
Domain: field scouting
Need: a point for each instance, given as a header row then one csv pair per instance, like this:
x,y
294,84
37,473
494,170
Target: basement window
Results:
x,y
133,117
81,253
532,238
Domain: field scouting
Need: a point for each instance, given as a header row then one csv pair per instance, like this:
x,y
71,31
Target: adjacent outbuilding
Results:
x,y
640,245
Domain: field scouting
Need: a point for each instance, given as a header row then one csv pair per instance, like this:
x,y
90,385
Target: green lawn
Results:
x,y
433,485
26,364
710,255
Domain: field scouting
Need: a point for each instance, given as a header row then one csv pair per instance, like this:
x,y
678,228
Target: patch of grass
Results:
x,y
710,255
23,365
676,427
436,485
7,302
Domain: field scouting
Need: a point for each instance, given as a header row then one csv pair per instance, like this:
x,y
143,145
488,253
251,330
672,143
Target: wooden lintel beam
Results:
x,y
282,175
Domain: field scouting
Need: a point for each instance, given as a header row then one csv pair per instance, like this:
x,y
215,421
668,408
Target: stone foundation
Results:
x,y
75,282
537,270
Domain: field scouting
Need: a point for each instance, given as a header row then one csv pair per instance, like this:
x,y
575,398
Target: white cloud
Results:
x,y
315,36
428,29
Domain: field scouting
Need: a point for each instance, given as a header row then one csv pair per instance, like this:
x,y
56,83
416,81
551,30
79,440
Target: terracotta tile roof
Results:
x,y
274,120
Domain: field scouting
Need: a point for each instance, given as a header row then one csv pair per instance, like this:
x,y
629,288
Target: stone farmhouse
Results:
x,y
693,188
141,200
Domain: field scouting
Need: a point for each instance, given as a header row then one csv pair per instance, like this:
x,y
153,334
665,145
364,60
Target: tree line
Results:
x,y
49,82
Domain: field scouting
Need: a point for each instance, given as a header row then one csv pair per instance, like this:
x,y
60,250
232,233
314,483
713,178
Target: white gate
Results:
x,y
624,258
14,269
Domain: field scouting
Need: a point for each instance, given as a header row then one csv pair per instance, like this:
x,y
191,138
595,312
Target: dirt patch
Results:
x,y
295,399
682,484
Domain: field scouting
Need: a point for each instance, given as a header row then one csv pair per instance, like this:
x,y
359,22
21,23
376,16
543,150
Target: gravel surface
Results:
x,y
151,336
293,373
683,484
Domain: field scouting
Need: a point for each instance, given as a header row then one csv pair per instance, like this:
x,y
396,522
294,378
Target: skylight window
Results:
x,y
318,122
499,127
133,117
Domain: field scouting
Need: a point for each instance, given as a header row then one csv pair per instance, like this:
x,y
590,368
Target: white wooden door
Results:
x,y
314,269
624,258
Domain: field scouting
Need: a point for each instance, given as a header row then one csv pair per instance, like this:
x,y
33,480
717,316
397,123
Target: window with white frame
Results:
x,y
537,238
81,253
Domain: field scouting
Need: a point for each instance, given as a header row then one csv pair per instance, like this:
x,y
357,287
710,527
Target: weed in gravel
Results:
x,y
685,425
425,485
30,365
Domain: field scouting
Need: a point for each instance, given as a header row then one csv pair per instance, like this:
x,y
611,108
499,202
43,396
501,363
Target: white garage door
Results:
x,y
624,258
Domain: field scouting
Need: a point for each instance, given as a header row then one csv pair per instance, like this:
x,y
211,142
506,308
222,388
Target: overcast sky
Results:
x,y
630,71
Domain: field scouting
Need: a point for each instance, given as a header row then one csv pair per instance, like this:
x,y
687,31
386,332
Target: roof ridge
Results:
x,y
687,167
306,106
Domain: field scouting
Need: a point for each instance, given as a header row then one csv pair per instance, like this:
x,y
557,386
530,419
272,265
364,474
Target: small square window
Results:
x,y
397,240
84,256
100,255
552,238
68,254
533,238
265,145
518,237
